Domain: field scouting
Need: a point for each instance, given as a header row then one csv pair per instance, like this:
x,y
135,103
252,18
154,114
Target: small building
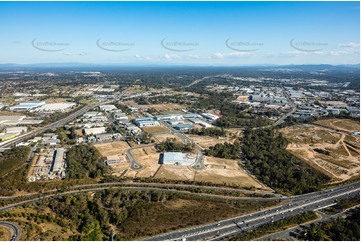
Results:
x,y
134,130
16,130
140,119
91,114
107,108
50,142
205,125
191,115
147,123
104,137
183,126
210,116
167,117
120,116
195,120
114,159
94,131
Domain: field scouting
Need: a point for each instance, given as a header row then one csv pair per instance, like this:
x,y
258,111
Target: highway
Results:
x,y
289,234
15,230
54,125
298,204
220,230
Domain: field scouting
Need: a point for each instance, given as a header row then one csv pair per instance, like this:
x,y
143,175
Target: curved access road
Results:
x,y
58,194
15,230
146,184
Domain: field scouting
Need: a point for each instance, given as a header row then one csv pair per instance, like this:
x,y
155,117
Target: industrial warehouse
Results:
x,y
177,158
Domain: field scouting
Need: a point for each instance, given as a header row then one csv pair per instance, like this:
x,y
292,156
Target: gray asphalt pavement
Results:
x,y
15,230
224,229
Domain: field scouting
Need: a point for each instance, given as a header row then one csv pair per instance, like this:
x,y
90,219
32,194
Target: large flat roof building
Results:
x,y
27,106
169,117
58,160
177,158
55,107
98,130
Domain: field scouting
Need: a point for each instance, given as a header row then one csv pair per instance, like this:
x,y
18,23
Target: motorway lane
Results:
x,y
230,226
14,228
287,234
283,212
54,125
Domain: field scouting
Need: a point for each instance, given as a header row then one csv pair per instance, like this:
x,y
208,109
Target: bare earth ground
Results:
x,y
166,106
221,171
225,171
120,168
163,137
175,172
217,170
113,148
5,234
207,141
155,129
148,157
341,124
8,113
55,100
342,162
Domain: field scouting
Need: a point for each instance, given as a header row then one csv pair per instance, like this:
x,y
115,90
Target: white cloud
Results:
x,y
69,53
143,57
350,48
172,57
350,45
220,55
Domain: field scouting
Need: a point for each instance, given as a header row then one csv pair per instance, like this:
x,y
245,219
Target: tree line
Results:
x,y
85,161
264,152
171,144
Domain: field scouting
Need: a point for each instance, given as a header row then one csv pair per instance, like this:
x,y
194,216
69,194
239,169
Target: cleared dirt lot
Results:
x,y
148,157
207,141
155,129
166,106
163,137
341,124
221,171
175,172
113,148
226,171
333,153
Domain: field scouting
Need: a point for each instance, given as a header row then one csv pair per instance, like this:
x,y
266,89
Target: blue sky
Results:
x,y
191,33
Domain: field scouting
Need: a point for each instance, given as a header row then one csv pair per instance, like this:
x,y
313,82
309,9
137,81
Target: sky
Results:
x,y
180,33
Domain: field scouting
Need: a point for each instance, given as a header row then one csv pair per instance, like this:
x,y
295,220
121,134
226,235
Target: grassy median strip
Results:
x,y
275,227
342,205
